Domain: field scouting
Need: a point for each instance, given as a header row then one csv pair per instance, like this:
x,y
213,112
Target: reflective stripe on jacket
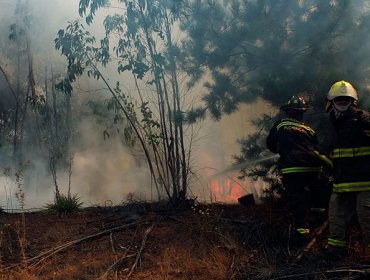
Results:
x,y
351,152
300,169
296,143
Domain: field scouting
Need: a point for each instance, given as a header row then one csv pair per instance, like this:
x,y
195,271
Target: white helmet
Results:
x,y
340,89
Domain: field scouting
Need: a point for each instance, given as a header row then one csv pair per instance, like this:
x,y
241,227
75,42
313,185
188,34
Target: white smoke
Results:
x,y
104,171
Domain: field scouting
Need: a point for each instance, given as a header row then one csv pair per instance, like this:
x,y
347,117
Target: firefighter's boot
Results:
x,y
334,253
365,258
299,238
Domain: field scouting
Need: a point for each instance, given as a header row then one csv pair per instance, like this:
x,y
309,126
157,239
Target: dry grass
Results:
x,y
22,274
210,242
181,263
265,264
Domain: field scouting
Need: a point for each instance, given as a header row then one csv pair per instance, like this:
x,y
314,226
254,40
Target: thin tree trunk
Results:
x,y
34,97
179,131
69,116
55,112
31,75
16,98
166,140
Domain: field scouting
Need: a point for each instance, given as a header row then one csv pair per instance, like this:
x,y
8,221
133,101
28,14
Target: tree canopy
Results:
x,y
275,49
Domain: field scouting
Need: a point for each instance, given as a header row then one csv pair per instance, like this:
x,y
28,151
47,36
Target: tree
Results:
x,y
31,120
143,45
275,48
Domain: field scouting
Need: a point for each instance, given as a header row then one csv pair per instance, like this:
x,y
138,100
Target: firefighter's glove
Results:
x,y
325,160
363,118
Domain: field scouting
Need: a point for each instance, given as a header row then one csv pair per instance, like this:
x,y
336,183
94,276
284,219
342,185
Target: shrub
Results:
x,y
65,204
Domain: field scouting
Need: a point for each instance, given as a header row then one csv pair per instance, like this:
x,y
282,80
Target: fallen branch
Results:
x,y
138,255
115,264
365,271
231,269
237,221
45,255
111,242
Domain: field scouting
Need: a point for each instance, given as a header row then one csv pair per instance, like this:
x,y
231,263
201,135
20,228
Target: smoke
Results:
x,y
213,156
103,171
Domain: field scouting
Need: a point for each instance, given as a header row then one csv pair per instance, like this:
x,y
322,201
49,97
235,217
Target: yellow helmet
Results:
x,y
341,88
338,89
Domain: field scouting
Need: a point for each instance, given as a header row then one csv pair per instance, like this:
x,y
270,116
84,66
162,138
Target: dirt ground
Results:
x,y
152,241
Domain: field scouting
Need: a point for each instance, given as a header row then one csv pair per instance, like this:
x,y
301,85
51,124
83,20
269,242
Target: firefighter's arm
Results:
x,y
363,120
325,147
272,140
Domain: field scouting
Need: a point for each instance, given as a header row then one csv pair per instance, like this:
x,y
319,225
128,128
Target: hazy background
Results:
x,y
104,172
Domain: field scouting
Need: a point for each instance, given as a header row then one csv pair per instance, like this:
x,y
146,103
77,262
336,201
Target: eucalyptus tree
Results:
x,y
18,33
24,114
33,120
139,41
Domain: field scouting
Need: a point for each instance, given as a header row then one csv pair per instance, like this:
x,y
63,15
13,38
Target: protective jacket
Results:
x,y
296,144
351,151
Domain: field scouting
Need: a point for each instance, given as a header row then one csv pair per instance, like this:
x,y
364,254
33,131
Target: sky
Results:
x,y
105,172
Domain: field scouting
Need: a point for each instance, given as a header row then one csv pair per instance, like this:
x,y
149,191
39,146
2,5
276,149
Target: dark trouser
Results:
x,y
343,208
299,188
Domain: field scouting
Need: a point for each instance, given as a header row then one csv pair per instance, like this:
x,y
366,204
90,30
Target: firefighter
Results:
x,y
350,152
297,145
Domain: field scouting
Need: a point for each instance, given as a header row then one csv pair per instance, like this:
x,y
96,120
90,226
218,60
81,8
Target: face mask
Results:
x,y
341,108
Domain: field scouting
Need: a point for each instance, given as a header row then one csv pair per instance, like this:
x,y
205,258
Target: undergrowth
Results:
x,y
65,204
205,242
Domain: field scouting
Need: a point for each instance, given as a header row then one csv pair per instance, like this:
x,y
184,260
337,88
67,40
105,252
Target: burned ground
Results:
x,y
152,241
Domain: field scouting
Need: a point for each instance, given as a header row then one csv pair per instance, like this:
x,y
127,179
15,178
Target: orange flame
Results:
x,y
223,188
226,190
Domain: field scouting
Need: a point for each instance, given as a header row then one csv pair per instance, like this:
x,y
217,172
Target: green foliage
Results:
x,y
65,204
16,32
148,118
94,5
77,44
138,41
195,114
111,115
256,158
275,48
